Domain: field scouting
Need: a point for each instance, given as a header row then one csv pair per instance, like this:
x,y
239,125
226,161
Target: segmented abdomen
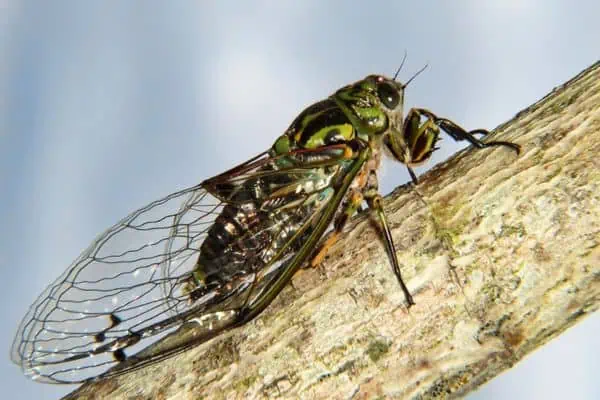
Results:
x,y
222,250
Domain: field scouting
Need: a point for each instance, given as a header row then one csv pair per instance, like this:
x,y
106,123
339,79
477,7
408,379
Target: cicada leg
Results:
x,y
353,202
417,141
458,133
375,202
413,145
420,138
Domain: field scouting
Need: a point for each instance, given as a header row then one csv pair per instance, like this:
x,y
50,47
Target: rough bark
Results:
x,y
501,254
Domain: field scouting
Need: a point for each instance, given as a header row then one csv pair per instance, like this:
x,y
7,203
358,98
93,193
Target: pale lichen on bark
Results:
x,y
501,254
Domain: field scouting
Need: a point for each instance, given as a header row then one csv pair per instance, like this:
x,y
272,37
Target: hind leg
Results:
x,y
351,205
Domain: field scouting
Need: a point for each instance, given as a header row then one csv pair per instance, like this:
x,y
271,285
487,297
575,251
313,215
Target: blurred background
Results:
x,y
108,105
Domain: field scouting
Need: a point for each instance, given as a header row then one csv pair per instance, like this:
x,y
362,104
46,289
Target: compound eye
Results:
x,y
388,95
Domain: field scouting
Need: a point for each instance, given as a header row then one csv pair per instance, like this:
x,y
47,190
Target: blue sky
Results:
x,y
108,105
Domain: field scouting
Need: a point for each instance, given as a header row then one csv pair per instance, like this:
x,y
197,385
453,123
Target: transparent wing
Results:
x,y
131,286
117,286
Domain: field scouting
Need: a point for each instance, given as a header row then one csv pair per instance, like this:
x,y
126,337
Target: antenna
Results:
x,y
416,74
401,65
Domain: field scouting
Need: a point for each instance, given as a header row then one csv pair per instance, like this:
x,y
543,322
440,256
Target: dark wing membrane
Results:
x,y
131,286
261,178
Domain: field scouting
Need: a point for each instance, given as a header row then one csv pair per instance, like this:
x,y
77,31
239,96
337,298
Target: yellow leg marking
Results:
x,y
355,200
348,153
324,248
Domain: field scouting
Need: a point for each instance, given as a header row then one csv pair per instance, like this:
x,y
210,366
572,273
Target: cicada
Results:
x,y
210,258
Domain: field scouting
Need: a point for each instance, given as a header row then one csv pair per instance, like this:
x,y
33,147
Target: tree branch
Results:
x,y
503,257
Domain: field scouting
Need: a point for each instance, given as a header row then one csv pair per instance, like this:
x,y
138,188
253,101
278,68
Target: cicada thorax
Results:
x,y
363,107
322,124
